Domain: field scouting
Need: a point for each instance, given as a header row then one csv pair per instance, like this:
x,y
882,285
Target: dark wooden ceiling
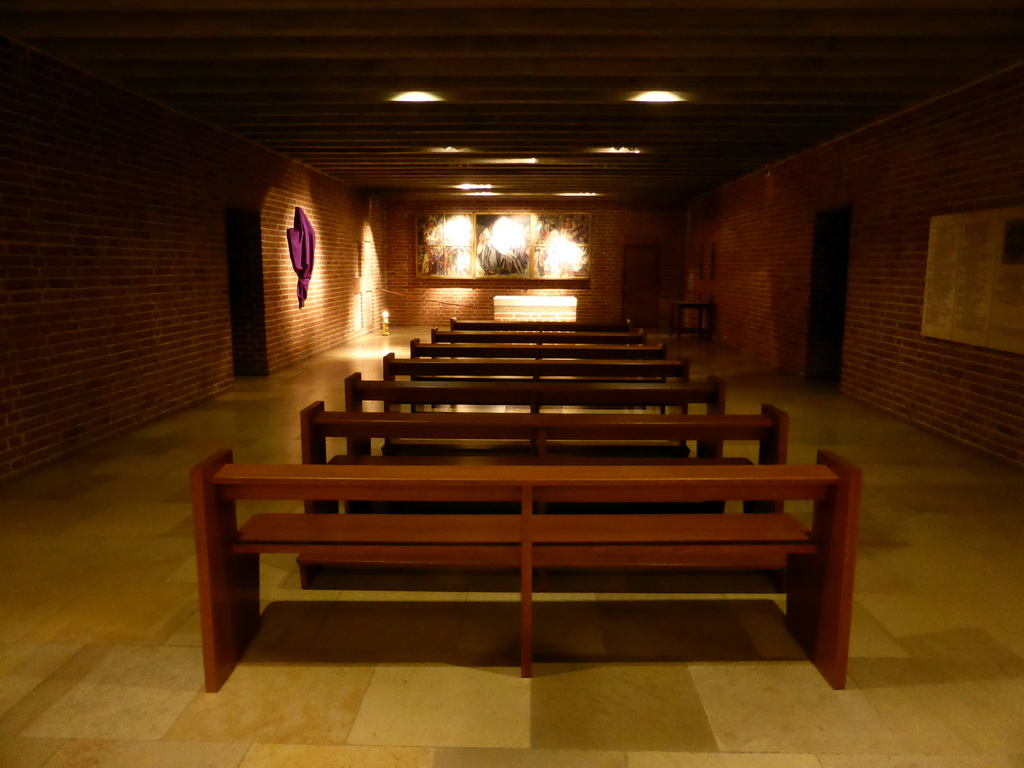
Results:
x,y
522,79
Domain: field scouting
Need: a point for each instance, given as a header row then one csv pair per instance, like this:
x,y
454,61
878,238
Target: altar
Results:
x,y
562,308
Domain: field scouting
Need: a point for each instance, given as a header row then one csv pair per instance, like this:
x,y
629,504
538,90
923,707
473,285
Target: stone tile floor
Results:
x,y
99,639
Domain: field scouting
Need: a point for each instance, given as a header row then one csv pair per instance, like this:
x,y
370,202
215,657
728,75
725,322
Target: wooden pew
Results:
x,y
543,435
818,563
418,348
635,336
467,369
537,325
535,394
542,438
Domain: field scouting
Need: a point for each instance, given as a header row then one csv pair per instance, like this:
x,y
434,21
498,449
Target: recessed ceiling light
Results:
x,y
656,96
415,96
577,194
473,186
484,194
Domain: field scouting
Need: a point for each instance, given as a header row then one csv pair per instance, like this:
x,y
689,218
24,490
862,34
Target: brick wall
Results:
x,y
330,313
114,293
415,300
961,152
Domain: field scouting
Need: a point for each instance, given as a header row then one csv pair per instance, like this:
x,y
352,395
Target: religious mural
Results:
x,y
503,245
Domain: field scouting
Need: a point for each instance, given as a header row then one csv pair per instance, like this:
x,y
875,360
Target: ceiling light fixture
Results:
x,y
577,194
447,150
415,96
509,161
473,186
656,96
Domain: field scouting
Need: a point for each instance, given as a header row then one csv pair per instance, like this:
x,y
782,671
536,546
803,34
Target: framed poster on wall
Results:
x,y
444,245
499,245
562,248
974,286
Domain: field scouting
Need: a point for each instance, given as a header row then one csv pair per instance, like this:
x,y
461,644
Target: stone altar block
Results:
x,y
561,308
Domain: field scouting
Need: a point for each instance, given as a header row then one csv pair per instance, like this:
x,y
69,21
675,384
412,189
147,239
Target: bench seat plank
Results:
x,y
380,529
698,529
766,556
398,555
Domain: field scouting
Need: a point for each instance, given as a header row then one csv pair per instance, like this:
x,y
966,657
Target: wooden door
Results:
x,y
640,285
826,315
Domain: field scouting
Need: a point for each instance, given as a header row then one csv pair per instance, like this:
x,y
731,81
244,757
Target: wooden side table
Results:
x,y
705,318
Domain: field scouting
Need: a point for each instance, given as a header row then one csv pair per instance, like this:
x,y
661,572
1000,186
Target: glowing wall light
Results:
x,y
416,96
656,96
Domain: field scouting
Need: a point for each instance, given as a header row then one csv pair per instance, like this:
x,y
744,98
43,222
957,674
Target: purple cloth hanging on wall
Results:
x,y
301,240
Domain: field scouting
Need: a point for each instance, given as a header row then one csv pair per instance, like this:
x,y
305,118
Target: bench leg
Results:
x,y
229,605
819,587
526,585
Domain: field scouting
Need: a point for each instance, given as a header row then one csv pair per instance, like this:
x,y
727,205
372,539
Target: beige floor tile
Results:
x,y
35,661
528,758
763,621
721,760
158,667
868,638
26,605
98,711
277,704
133,519
27,753
942,625
189,633
391,627
618,707
28,558
13,689
565,627
292,755
128,613
787,707
146,754
30,706
36,677
965,705
42,518
677,630
439,706
119,560
923,760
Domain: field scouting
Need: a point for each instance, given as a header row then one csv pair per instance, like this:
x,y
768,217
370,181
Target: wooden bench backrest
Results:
x,y
534,394
418,349
635,336
770,429
536,325
658,370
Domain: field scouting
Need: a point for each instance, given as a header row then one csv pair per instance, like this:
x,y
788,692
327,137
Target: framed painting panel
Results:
x,y
444,245
562,246
504,244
